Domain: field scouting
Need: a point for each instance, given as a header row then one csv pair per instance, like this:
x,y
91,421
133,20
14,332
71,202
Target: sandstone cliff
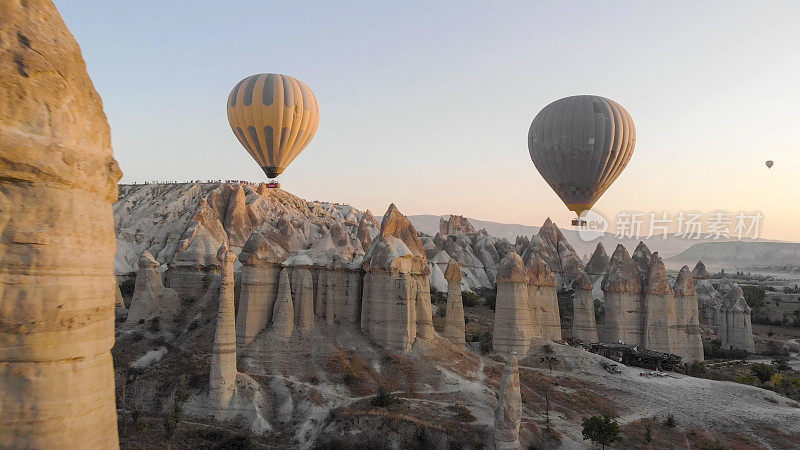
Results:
x,y
57,183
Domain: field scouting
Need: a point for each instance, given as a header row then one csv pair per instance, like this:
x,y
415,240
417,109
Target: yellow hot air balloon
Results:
x,y
274,117
580,145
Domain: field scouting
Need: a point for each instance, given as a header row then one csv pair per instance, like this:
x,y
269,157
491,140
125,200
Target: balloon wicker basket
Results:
x,y
578,222
273,185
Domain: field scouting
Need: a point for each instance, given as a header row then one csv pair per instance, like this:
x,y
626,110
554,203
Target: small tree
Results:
x,y
762,371
781,364
601,430
670,421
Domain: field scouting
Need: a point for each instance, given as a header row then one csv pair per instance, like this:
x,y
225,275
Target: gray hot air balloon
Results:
x,y
769,164
580,145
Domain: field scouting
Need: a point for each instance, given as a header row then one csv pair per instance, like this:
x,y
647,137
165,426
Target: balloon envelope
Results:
x,y
769,164
580,145
274,117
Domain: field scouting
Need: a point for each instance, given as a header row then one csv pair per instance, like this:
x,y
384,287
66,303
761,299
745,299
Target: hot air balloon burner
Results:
x,y
579,222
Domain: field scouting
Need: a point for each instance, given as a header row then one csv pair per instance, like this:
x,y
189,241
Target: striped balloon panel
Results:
x,y
580,145
274,117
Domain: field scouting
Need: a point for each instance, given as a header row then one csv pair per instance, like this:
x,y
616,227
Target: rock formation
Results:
x,y
455,225
56,239
283,316
119,302
396,303
735,328
508,414
642,256
543,300
584,328
513,327
699,272
303,297
622,290
222,380
686,339
454,316
709,301
598,263
658,307
559,255
260,258
150,297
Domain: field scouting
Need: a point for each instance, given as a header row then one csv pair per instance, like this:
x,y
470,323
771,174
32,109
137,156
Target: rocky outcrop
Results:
x,y
598,263
551,245
57,183
222,380
283,316
150,297
686,339
513,327
658,307
735,328
303,297
584,328
643,257
260,257
455,225
454,315
622,290
543,300
699,272
508,414
396,304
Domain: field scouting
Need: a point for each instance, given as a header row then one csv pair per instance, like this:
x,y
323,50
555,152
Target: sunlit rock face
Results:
x,y
455,225
513,325
454,315
396,306
57,285
222,379
543,300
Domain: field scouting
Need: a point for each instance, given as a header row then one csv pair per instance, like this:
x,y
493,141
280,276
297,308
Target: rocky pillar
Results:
x,y
508,414
303,290
259,289
687,343
658,307
283,316
543,300
150,297
424,309
735,328
58,181
222,381
622,292
584,328
454,317
512,322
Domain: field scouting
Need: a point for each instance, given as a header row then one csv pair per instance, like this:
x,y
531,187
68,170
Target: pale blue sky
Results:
x,y
428,104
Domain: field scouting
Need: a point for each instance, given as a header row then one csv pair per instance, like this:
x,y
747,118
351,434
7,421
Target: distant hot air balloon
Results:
x,y
769,164
274,117
580,145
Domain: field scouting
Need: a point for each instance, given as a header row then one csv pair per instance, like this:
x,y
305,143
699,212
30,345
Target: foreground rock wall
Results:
x,y
57,285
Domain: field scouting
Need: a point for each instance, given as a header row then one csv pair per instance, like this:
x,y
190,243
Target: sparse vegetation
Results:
x,y
762,371
384,398
669,422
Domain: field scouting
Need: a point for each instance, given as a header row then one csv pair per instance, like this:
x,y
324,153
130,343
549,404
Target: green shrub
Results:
x,y
762,371
469,298
754,295
601,430
670,421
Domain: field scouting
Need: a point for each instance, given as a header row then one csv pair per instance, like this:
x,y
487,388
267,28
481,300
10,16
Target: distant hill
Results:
x,y
741,253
